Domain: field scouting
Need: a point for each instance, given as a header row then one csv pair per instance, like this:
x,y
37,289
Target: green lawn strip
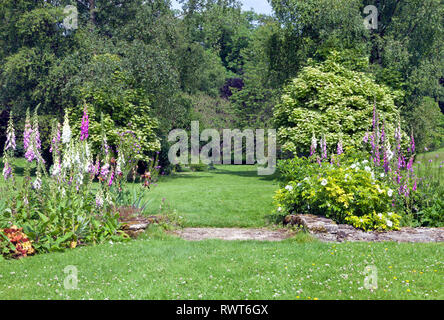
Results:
x,y
171,268
230,196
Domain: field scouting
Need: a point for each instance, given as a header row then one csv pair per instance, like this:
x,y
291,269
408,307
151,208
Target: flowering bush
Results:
x,y
62,207
418,185
349,193
376,188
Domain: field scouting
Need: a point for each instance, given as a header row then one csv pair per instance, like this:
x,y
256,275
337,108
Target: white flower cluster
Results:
x,y
66,133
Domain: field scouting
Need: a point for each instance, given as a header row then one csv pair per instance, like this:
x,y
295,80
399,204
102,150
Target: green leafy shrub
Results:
x,y
349,193
115,105
328,100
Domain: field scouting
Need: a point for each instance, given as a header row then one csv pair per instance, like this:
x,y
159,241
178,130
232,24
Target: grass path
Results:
x,y
230,196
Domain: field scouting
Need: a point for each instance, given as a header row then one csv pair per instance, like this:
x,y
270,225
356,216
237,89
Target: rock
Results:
x,y
327,230
134,226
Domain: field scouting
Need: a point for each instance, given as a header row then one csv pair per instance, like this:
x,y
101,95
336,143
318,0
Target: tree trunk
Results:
x,y
92,12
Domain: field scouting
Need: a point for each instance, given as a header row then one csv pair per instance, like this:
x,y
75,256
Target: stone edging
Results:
x,y
327,230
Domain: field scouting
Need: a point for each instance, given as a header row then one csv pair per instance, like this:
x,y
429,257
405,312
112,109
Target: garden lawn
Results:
x,y
230,196
171,268
160,266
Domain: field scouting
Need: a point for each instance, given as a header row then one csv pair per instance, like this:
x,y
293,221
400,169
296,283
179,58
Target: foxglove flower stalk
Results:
x,y
27,133
372,142
104,170
120,163
10,135
96,168
313,145
374,117
55,142
35,129
37,184
66,133
66,164
366,137
386,162
324,148
29,154
99,198
410,165
398,137
406,191
111,179
56,169
383,133
85,125
340,150
7,171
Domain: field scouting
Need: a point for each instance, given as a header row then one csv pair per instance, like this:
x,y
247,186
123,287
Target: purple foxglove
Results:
x,y
324,148
7,171
85,125
111,179
340,150
28,132
366,137
313,145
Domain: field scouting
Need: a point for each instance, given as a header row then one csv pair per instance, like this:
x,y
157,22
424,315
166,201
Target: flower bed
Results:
x,y
77,200
375,188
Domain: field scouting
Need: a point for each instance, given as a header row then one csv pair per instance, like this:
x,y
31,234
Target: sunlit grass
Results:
x,y
171,268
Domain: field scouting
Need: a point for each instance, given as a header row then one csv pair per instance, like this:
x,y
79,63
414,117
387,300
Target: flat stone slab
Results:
x,y
198,234
327,230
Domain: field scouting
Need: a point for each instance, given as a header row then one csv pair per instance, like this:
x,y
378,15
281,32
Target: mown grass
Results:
x,y
230,196
160,266
170,268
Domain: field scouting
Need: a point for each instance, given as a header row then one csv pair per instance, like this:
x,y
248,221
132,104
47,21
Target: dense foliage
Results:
x,y
333,102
